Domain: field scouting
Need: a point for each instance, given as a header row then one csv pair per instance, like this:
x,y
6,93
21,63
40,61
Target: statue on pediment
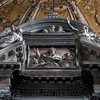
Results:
x,y
12,37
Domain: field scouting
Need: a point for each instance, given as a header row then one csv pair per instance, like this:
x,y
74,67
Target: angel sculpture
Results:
x,y
12,37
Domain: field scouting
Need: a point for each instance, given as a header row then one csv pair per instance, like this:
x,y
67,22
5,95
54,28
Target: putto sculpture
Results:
x,y
53,29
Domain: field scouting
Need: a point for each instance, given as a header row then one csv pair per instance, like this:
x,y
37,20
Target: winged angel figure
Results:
x,y
11,37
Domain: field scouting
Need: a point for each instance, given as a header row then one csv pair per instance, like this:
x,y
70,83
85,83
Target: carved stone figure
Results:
x,y
68,57
50,59
61,30
14,36
54,29
54,55
89,35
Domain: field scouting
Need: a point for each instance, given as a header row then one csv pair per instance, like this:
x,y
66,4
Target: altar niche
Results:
x,y
50,57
